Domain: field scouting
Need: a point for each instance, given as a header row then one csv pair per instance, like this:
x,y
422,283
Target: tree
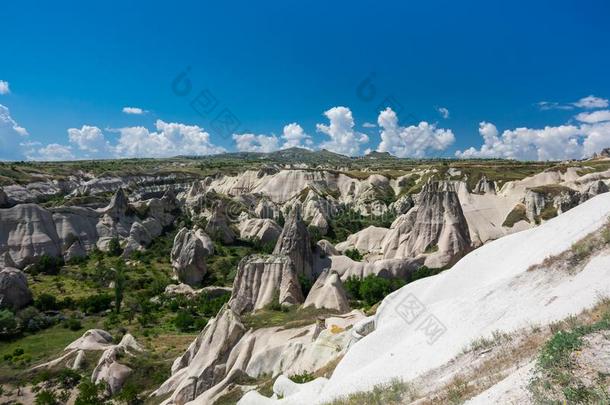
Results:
x,y
114,247
46,397
119,287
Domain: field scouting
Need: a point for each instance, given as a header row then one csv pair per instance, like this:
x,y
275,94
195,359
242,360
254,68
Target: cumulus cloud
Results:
x,y
412,141
50,152
169,139
591,102
549,143
255,143
343,138
295,137
4,89
89,139
12,135
593,117
134,110
444,112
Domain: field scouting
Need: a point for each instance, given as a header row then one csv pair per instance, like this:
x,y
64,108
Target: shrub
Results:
x,y
47,265
8,324
95,303
46,397
184,321
114,247
302,378
354,254
46,302
73,324
32,320
306,284
371,289
90,393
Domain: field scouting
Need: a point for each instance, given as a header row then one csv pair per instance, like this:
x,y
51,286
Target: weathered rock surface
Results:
x,y
27,232
295,243
436,227
218,225
4,201
188,256
328,292
484,186
110,371
93,339
265,230
14,291
369,239
262,278
548,201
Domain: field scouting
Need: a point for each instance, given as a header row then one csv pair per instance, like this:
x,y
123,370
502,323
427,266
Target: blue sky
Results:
x,y
76,65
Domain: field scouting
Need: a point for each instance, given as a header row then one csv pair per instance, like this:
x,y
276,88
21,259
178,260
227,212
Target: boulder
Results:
x,y
595,188
368,240
110,371
27,232
295,243
14,291
328,292
93,339
218,225
265,230
188,255
261,279
402,205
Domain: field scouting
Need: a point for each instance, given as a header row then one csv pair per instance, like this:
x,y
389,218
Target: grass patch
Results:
x,y
517,214
395,392
290,317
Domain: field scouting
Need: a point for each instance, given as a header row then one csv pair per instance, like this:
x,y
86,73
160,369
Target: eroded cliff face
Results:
x,y
295,243
261,279
29,231
189,253
436,227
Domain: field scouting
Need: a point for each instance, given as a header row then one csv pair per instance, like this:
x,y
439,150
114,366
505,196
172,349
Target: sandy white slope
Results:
x,y
489,289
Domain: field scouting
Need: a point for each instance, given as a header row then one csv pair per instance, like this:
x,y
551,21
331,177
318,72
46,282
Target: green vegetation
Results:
x,y
558,379
371,289
517,214
396,392
353,254
348,222
287,317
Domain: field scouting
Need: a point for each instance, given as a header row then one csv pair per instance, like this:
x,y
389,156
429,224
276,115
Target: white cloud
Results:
x,y
552,105
4,88
134,110
11,136
591,102
444,112
343,138
89,139
295,137
369,125
170,139
549,143
413,141
51,152
593,117
255,143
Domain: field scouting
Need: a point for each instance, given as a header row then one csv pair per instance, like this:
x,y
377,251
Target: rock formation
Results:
x,y
188,256
328,292
294,242
369,239
27,232
545,202
484,186
4,201
265,230
218,225
261,279
14,291
435,227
